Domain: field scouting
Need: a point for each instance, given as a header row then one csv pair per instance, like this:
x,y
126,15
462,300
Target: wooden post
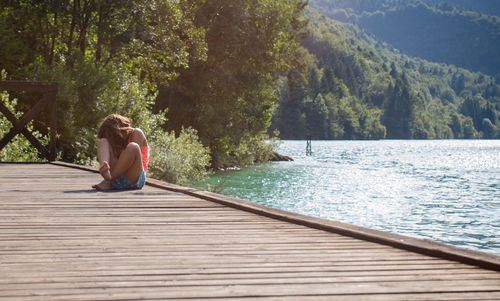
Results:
x,y
53,127
49,98
308,146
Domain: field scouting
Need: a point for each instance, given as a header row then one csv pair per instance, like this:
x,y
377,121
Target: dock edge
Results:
x,y
417,245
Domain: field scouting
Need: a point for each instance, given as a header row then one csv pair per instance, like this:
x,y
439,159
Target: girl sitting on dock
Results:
x,y
123,154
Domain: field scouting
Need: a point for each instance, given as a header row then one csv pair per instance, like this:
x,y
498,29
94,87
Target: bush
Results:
x,y
117,90
254,149
79,104
177,160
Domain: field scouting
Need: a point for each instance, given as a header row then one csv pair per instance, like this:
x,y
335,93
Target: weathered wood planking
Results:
x,y
61,240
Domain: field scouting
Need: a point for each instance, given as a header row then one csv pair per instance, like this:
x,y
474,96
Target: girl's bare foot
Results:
x,y
104,185
105,171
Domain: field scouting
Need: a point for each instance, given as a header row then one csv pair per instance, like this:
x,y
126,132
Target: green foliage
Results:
x,y
325,107
107,57
372,91
229,98
177,160
165,39
77,103
19,149
482,6
254,149
153,37
217,60
14,52
430,29
489,129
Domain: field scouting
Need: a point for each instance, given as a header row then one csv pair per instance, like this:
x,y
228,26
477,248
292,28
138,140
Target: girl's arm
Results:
x,y
138,137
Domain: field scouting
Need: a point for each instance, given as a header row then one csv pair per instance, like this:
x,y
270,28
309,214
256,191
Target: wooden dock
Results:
x,y
61,240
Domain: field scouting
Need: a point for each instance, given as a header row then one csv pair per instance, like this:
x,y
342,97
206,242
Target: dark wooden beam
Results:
x,y
13,85
34,141
49,98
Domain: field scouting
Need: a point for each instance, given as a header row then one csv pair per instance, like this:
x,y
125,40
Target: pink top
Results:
x,y
145,157
144,149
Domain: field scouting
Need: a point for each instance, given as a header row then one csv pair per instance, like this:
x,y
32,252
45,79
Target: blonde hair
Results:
x,y
116,129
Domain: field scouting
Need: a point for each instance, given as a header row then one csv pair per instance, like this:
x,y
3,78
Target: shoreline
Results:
x,y
275,157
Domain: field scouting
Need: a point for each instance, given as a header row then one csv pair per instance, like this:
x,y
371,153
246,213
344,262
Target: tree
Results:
x,y
399,109
250,44
489,129
349,119
313,82
316,117
327,81
107,57
469,130
472,107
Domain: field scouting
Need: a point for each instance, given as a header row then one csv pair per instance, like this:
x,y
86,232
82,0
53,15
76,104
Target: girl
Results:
x,y
123,153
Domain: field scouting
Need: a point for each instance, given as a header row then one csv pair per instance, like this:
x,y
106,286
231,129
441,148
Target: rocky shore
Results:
x,y
278,157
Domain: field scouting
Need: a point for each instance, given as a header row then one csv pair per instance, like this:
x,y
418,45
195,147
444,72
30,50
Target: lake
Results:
x,y
444,190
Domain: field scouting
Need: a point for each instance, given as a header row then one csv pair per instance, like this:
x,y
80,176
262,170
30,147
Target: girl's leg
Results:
x,y
128,164
105,156
105,152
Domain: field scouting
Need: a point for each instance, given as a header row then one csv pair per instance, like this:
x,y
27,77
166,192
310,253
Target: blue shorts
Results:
x,y
123,183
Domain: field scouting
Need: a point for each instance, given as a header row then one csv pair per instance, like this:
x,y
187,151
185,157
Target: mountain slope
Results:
x,y
487,7
441,33
361,88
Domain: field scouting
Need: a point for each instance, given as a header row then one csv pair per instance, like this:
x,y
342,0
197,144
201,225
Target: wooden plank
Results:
x,y
223,291
423,246
61,241
419,284
305,297
177,275
193,279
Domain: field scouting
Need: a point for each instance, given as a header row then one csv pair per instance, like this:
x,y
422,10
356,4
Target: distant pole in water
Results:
x,y
308,146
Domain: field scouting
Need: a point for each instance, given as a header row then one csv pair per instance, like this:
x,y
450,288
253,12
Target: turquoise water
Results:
x,y
444,190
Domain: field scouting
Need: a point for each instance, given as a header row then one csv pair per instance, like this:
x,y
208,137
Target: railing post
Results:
x,y
53,127
49,99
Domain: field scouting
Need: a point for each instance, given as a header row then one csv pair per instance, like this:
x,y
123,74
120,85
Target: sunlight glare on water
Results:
x,y
444,190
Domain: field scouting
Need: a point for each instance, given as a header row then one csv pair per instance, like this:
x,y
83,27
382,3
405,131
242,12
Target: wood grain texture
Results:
x,y
61,240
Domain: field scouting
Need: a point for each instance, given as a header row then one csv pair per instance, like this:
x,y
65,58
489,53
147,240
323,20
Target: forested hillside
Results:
x,y
487,7
360,88
358,7
434,30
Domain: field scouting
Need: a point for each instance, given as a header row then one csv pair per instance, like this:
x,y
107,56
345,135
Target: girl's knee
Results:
x,y
133,148
133,153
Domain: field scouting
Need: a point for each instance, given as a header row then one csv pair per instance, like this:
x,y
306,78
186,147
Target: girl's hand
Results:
x,y
105,171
